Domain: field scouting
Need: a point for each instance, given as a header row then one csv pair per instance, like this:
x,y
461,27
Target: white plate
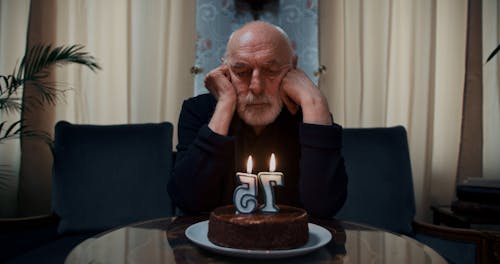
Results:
x,y
318,237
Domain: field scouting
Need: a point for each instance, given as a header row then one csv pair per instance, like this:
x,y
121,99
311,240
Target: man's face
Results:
x,y
257,66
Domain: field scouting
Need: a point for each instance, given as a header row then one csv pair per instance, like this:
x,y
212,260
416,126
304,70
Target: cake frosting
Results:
x,y
286,229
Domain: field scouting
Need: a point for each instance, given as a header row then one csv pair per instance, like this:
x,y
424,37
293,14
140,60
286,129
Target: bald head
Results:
x,y
259,34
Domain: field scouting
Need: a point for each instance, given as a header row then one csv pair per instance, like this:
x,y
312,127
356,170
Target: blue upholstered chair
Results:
x,y
380,192
380,188
103,177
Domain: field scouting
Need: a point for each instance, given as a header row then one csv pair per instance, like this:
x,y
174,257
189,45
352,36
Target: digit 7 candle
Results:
x,y
268,180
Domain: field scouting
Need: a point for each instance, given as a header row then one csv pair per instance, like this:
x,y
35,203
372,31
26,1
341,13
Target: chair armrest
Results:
x,y
19,235
487,244
448,233
23,223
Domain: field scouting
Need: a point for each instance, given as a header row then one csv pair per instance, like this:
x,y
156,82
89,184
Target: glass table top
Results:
x,y
164,241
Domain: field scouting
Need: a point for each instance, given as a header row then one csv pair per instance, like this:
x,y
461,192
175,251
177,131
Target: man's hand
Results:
x,y
218,82
298,90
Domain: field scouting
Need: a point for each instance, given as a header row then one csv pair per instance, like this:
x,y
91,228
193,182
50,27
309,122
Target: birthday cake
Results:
x,y
286,229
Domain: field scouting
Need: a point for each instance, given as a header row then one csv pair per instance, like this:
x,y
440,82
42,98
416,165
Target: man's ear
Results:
x,y
295,59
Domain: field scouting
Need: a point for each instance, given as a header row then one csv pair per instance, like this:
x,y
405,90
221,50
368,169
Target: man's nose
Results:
x,y
256,83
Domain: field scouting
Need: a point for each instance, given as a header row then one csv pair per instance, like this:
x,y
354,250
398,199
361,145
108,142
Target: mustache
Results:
x,y
250,98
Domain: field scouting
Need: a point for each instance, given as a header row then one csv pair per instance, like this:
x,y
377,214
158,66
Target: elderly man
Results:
x,y
259,103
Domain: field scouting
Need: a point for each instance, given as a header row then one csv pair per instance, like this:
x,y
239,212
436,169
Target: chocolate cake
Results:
x,y
284,230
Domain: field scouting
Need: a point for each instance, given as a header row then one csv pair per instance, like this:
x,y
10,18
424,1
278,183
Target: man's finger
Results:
x,y
289,103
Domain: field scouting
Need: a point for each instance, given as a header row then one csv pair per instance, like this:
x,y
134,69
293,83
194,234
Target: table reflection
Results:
x,y
366,246
163,241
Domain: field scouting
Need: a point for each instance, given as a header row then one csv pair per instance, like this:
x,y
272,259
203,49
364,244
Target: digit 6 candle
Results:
x,y
245,195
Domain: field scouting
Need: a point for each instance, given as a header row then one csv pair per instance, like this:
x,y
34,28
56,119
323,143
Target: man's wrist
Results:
x,y
221,119
315,111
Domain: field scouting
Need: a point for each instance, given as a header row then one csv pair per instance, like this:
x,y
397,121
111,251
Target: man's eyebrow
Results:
x,y
274,64
271,63
239,65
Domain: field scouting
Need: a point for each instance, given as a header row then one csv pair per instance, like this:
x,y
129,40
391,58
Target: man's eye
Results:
x,y
243,73
270,72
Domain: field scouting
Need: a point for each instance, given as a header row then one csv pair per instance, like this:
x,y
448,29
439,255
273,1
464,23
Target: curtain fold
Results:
x,y
13,25
491,89
400,63
35,188
470,158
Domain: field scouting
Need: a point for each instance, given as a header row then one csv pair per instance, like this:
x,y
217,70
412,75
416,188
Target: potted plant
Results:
x,y
35,66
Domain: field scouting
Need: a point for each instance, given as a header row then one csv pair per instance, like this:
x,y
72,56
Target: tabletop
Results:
x,y
164,241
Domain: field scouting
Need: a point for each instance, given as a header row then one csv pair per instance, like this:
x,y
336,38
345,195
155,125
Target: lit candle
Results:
x,y
245,195
268,180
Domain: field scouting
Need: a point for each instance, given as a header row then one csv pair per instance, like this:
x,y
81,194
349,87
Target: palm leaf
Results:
x,y
10,132
10,105
493,53
36,65
8,85
31,73
40,58
45,91
15,130
37,134
4,83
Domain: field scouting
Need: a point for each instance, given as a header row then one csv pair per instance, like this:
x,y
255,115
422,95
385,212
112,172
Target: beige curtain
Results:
x,y
470,154
400,63
13,25
491,90
145,48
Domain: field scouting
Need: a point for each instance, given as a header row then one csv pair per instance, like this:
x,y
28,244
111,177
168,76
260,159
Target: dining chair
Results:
x,y
380,185
380,192
104,176
111,175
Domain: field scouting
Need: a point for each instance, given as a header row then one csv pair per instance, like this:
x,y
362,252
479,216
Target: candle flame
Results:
x,y
249,164
272,163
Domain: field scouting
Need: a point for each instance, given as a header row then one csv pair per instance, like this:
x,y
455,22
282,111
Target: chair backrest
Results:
x,y
111,175
380,185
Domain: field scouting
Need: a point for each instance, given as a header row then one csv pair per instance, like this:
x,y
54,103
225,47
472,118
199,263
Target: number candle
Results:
x,y
268,180
244,196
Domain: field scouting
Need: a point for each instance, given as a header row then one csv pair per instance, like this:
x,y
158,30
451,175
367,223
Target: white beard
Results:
x,y
259,115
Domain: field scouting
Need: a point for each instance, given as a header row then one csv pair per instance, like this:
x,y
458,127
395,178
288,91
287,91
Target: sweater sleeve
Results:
x,y
323,181
201,163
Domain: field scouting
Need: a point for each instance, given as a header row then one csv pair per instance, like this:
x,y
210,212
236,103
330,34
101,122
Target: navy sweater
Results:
x,y
308,155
